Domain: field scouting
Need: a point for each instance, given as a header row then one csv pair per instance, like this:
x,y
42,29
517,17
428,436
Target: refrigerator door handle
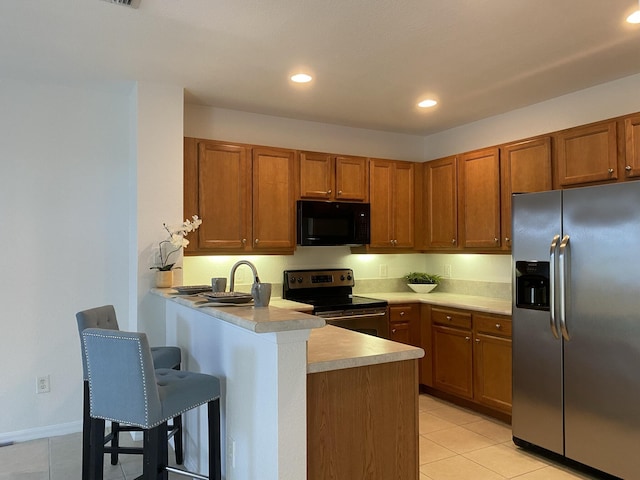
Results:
x,y
552,288
563,270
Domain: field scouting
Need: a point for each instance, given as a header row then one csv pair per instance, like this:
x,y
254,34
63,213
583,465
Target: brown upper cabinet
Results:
x,y
524,167
324,176
391,193
587,154
244,196
440,204
479,199
632,141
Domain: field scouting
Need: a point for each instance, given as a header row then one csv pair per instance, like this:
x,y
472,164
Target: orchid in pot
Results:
x,y
173,244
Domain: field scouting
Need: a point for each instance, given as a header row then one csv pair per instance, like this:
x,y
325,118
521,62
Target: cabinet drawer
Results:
x,y
403,313
451,318
492,325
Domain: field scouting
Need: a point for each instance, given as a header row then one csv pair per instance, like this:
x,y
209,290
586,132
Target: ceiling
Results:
x,y
372,60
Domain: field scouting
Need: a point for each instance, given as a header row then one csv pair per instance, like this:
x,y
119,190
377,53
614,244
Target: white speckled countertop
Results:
x,y
330,347
280,316
334,348
454,300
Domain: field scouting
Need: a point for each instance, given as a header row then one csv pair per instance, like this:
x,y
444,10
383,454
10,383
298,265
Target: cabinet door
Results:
x,y
381,198
404,323
453,361
524,167
217,189
403,204
273,199
492,382
441,203
352,179
587,154
479,199
316,175
632,136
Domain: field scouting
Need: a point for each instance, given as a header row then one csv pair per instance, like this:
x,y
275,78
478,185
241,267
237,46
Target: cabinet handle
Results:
x,y
256,241
628,168
507,240
477,340
496,240
467,338
610,171
453,241
393,331
328,192
339,192
402,314
449,317
498,326
244,241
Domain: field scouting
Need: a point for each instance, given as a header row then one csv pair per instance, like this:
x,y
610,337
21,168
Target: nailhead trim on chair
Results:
x,y
146,402
146,410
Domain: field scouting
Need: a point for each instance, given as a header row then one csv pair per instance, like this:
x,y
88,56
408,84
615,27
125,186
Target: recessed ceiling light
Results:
x,y
635,16
427,103
301,78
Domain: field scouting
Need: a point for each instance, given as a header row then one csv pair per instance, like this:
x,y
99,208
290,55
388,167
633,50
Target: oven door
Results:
x,y
372,321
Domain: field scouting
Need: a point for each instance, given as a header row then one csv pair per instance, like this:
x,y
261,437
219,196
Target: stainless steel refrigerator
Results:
x,y
576,325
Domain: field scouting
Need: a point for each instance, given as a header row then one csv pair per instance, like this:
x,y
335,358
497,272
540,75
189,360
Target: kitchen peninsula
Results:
x,y
291,387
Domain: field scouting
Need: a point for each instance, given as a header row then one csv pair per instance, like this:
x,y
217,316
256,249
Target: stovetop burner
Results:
x,y
325,289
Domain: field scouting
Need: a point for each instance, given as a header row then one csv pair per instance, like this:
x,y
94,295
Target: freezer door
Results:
x,y
602,355
537,352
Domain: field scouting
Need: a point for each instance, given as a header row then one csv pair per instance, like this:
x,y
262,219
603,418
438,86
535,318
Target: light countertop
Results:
x,y
334,348
453,300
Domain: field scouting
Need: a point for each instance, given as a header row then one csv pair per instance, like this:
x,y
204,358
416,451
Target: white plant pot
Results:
x,y
422,287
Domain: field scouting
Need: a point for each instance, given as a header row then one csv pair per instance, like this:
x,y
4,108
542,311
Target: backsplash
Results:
x,y
499,290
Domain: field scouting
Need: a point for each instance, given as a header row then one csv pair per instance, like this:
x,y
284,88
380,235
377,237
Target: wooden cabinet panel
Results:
x,y
451,318
363,423
440,203
479,199
316,175
217,189
352,179
632,143
587,154
426,343
273,199
492,367
329,177
244,195
453,361
524,167
404,323
492,325
391,193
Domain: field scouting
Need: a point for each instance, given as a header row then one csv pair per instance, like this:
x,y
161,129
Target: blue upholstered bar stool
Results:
x,y
163,357
124,387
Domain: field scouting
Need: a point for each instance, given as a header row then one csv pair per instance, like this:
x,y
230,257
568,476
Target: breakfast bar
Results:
x,y
283,375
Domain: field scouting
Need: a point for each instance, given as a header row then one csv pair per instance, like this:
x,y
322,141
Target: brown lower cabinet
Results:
x,y
470,356
363,423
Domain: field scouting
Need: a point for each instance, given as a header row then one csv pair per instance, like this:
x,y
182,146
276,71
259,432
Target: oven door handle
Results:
x,y
357,315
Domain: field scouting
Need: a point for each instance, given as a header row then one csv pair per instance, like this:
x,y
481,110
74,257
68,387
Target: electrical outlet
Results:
x,y
384,270
447,270
42,384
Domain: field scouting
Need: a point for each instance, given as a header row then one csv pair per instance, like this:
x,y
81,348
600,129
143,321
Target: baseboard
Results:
x,y
41,432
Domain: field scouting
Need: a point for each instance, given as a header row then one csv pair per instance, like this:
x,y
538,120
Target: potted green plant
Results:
x,y
422,282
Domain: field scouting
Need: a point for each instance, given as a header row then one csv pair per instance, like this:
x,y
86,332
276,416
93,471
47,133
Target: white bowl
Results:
x,y
422,287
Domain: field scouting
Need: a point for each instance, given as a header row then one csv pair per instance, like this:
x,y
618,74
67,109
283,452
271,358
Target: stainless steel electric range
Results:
x,y
330,293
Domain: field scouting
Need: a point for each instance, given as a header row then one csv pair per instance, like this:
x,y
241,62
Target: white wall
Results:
x,y
64,219
604,101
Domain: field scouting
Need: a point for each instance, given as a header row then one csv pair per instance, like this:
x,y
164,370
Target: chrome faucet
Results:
x,y
232,275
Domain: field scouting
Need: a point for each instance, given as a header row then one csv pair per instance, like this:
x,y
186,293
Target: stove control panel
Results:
x,y
323,278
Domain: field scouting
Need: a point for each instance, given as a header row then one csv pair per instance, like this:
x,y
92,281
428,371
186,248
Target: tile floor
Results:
x,y
455,444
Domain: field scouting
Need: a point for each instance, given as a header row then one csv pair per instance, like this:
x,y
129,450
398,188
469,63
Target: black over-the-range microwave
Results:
x,y
333,223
